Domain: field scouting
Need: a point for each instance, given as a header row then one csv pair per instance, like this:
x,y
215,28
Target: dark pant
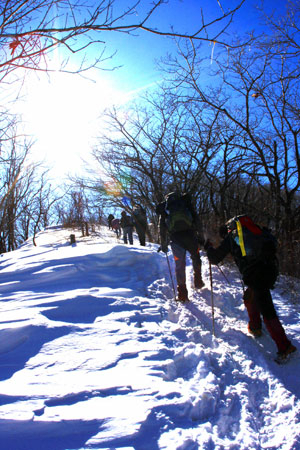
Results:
x,y
259,303
118,232
127,235
179,254
141,232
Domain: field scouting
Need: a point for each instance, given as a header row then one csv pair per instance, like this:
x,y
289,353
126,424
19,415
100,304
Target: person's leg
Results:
x,y
182,293
179,254
142,236
196,261
192,246
254,324
125,232
277,333
130,235
263,298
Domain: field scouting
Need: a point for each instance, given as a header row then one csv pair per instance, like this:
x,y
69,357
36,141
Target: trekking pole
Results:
x,y
223,274
212,300
170,272
172,281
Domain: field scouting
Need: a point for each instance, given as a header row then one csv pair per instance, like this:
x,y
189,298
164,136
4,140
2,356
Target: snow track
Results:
x,y
97,355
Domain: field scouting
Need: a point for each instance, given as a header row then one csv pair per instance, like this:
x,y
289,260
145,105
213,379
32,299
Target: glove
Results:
x,y
164,248
207,244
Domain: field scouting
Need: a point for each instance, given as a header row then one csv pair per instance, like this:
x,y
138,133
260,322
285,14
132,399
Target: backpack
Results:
x,y
178,214
139,216
126,221
115,223
256,243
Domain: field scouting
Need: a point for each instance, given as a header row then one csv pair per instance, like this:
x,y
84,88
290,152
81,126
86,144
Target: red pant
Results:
x,y
259,302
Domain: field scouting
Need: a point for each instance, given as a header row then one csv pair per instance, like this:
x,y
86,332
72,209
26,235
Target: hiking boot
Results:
x,y
282,356
255,332
182,293
198,282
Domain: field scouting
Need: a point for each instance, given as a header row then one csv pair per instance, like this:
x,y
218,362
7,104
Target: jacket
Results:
x,y
259,274
126,221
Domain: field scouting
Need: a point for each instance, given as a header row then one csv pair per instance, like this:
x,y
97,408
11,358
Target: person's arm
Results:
x,y
216,255
163,230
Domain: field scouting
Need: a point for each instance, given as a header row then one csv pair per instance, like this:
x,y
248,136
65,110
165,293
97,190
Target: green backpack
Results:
x,y
178,214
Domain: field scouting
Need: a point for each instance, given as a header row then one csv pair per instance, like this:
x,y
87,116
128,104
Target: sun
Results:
x,y
62,112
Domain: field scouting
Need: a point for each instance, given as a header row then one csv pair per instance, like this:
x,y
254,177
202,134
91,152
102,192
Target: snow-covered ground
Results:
x,y
95,354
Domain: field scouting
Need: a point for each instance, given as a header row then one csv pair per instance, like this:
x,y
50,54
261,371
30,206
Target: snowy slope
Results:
x,y
95,354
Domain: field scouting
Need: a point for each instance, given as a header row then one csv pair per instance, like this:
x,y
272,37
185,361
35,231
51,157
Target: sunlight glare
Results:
x,y
63,115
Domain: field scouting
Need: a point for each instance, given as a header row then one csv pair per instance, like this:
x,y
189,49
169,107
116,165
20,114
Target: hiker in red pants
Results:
x,y
254,251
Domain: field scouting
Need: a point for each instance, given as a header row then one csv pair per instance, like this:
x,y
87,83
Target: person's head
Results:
x,y
229,226
123,213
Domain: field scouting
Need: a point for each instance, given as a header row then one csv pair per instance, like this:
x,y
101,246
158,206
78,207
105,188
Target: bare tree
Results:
x,y
157,146
255,92
258,98
31,30
25,195
37,207
283,38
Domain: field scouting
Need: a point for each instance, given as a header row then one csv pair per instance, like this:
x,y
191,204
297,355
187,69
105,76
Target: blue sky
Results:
x,y
137,54
63,112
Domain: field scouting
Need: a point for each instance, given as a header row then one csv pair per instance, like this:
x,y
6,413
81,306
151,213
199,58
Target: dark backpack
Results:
x,y
256,243
139,216
178,214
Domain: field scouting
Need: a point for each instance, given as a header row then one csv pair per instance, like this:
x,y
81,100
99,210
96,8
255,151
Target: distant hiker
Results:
x,y
140,222
110,218
179,224
127,227
254,251
115,226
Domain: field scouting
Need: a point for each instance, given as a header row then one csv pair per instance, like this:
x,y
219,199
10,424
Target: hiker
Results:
x,y
179,224
254,251
140,222
115,226
110,218
127,227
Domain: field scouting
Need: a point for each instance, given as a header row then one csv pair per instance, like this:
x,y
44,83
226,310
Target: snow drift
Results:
x,y
95,354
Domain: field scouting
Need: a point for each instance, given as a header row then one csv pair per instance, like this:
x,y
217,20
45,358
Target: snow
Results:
x,y
95,353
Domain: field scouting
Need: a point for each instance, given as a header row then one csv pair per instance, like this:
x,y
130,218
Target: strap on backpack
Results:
x,y
241,237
